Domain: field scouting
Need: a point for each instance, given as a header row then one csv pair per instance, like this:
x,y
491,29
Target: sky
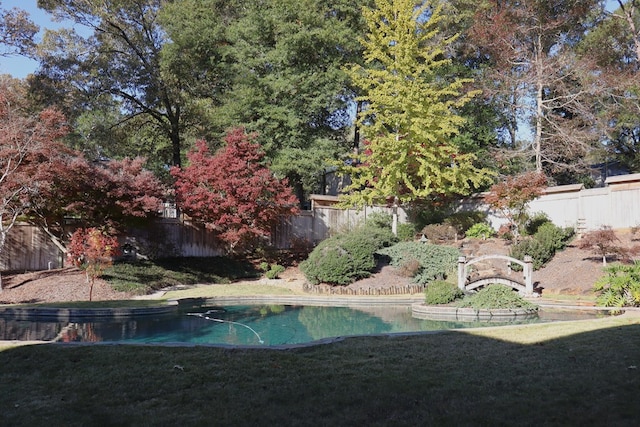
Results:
x,y
20,67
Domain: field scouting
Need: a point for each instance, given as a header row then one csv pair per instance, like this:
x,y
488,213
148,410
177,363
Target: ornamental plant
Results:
x,y
494,297
441,292
92,250
511,197
603,242
436,261
233,192
620,287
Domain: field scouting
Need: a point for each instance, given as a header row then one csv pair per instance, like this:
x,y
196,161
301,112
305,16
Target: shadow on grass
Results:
x,y
146,276
452,378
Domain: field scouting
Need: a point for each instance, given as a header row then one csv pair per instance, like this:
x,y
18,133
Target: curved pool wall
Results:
x,y
372,307
70,314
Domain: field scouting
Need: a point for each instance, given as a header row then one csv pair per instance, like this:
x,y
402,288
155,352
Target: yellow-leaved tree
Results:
x,y
410,116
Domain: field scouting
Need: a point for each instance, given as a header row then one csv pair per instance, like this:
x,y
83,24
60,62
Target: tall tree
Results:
x,y
534,74
612,50
114,65
17,33
410,115
273,67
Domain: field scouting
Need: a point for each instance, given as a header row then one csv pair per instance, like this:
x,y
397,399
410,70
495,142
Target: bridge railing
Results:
x,y
527,271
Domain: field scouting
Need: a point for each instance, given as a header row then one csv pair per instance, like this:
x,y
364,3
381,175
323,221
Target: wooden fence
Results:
x,y
617,205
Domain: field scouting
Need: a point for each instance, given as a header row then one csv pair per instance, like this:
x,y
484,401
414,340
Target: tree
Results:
x,y
92,250
26,142
274,67
535,76
16,33
410,114
511,197
116,70
233,192
612,49
112,195
603,242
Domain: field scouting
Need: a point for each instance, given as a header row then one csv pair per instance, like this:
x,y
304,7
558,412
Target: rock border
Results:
x,y
433,312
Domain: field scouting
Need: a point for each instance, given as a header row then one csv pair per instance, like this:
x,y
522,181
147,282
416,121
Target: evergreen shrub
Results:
x,y
495,296
436,261
542,246
346,257
441,292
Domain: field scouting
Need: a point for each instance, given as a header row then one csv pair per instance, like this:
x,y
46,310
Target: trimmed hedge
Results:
x,y
441,292
347,257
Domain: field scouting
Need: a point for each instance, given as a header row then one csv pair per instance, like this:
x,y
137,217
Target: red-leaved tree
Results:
x,y
26,139
512,196
111,194
233,192
92,250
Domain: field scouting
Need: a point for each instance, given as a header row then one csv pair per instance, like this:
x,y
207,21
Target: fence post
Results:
x,y
461,276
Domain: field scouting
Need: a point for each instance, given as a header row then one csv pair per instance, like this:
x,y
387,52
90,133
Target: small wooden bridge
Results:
x,y
524,286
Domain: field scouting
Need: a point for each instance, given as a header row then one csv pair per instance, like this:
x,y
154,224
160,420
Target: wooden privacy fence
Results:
x,y
617,205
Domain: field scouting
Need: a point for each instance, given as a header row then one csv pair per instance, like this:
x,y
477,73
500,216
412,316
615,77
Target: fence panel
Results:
x,y
28,248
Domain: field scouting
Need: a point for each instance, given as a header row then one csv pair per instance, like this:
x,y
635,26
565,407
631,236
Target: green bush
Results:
x,y
495,296
542,246
534,222
480,230
620,287
436,261
346,257
462,221
275,271
441,292
406,232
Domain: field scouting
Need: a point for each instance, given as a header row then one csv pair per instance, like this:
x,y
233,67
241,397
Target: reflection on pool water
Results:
x,y
260,325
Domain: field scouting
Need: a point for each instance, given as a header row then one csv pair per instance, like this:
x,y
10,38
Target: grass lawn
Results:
x,y
573,373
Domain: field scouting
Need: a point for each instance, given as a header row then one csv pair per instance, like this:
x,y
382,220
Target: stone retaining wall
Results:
x,y
344,290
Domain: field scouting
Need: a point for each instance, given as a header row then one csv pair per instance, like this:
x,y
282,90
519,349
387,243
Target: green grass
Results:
x,y
573,373
143,277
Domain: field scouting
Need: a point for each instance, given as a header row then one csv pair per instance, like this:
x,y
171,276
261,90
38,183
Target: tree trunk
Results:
x,y
539,111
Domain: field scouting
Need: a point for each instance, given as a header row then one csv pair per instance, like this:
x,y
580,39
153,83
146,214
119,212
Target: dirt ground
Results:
x,y
572,271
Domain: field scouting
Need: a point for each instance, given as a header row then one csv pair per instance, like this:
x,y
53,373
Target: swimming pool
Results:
x,y
253,325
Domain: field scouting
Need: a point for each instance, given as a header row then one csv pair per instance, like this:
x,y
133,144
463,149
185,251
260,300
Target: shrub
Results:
x,y
441,292
495,296
439,232
534,222
346,257
436,261
620,287
542,246
480,230
409,268
275,271
463,221
406,232
603,242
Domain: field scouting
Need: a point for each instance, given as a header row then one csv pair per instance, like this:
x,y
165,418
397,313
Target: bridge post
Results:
x,y
462,277
528,275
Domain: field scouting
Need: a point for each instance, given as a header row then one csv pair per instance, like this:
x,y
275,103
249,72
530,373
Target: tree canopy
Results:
x,y
410,115
233,192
